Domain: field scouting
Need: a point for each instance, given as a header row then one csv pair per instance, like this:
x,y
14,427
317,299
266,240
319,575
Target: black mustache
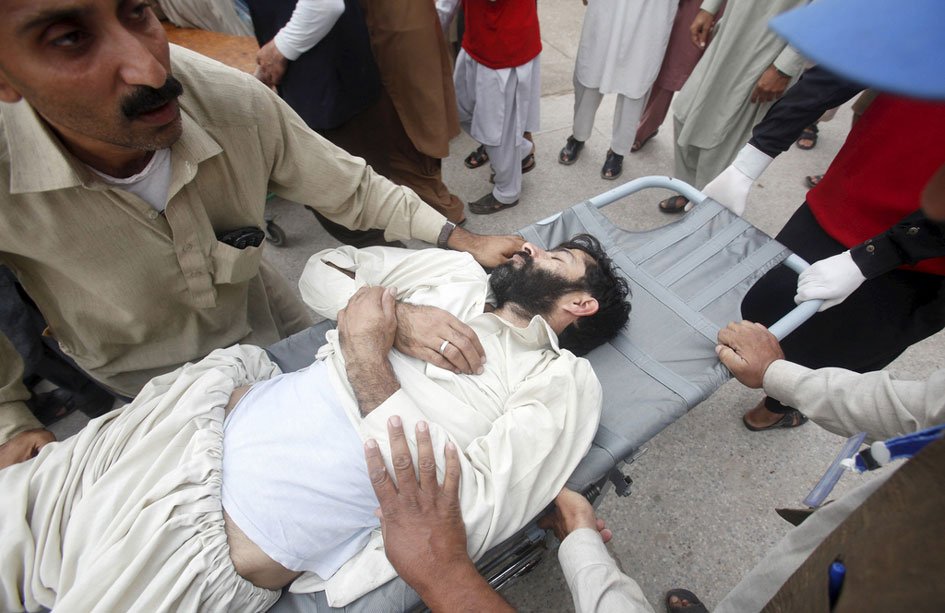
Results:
x,y
146,99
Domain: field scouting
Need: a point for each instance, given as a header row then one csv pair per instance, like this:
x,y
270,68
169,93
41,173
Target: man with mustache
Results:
x,y
137,176
228,480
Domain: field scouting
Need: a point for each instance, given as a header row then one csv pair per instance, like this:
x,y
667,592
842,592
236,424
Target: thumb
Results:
x,y
729,357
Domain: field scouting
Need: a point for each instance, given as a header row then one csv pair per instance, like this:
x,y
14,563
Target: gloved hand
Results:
x,y
831,280
731,187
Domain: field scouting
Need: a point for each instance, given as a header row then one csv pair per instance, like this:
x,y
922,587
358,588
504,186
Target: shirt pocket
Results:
x,y
232,265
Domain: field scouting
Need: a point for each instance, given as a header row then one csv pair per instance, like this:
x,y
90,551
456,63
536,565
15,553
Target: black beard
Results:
x,y
146,99
529,290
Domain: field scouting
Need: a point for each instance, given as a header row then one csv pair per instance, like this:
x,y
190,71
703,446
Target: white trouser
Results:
x,y
496,107
627,112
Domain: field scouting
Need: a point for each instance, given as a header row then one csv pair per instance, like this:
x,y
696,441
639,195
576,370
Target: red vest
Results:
x,y
501,34
878,176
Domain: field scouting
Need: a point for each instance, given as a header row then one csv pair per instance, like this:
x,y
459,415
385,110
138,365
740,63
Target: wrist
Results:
x,y
460,240
442,241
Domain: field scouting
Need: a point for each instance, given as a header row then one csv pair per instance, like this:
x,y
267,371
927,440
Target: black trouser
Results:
x,y
865,332
23,324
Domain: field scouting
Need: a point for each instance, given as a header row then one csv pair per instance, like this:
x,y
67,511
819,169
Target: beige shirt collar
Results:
x,y
40,163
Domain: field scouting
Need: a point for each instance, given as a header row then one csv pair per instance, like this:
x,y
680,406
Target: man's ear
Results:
x,y
581,304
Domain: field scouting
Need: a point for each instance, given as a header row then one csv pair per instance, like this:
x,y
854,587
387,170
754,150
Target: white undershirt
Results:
x,y
294,476
151,184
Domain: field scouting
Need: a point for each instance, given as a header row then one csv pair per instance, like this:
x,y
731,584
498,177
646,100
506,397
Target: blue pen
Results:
x,y
835,574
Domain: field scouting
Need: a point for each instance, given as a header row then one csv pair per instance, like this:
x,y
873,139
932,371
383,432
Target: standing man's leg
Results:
x,y
586,102
627,113
505,157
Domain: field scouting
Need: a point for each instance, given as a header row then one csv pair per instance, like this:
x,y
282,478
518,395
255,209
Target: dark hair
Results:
x,y
609,288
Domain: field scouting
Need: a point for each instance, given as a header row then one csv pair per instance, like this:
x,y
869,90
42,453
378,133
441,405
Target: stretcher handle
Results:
x,y
781,328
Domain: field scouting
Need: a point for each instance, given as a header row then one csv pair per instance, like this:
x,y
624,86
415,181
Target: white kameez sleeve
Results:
x,y
451,280
310,22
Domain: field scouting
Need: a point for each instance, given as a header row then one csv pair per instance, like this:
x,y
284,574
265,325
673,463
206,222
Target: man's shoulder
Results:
x,y
216,94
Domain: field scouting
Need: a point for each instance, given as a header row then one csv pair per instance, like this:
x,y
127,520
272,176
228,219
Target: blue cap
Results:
x,y
896,46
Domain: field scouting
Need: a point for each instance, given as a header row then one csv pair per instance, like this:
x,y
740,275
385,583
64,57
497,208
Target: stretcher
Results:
x,y
687,280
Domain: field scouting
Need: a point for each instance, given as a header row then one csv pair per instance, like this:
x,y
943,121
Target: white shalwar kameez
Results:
x,y
496,107
621,50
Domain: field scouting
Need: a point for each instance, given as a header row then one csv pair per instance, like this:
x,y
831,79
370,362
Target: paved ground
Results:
x,y
701,514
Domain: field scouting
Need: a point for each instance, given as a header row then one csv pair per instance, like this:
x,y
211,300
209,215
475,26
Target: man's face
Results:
x,y
98,71
535,279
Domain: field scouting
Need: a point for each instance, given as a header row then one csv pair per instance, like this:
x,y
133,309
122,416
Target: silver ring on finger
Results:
x,y
443,346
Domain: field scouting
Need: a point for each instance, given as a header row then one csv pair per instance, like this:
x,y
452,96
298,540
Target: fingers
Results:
x,y
400,457
384,487
466,340
729,357
426,461
452,476
457,358
389,302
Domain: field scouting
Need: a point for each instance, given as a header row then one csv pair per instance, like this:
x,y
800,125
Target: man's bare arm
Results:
x,y
366,328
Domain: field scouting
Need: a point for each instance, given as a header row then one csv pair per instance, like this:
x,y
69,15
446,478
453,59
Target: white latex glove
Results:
x,y
731,187
831,280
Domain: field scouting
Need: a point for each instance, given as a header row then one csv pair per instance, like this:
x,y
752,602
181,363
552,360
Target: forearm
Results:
x,y
373,381
815,93
845,402
311,21
913,239
594,579
15,417
461,588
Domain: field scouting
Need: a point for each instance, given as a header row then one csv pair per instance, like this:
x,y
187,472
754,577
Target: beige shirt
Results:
x,y
845,402
131,293
597,585
521,427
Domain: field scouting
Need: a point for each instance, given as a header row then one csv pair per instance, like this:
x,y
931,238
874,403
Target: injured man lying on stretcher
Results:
x,y
127,514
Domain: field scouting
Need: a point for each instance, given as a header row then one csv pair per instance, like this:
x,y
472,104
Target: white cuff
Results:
x,y
752,162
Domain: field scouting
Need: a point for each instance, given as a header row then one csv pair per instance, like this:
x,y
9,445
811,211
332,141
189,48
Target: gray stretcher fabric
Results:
x,y
687,280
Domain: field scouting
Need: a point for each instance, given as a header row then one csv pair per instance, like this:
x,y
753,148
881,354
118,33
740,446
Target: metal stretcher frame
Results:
x,y
687,281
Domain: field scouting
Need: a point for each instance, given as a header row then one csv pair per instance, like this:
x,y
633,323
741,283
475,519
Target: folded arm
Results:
x,y
516,468
422,279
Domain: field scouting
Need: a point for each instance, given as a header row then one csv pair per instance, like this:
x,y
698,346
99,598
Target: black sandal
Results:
x,y
571,151
674,204
487,205
695,605
477,158
809,134
791,419
613,166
